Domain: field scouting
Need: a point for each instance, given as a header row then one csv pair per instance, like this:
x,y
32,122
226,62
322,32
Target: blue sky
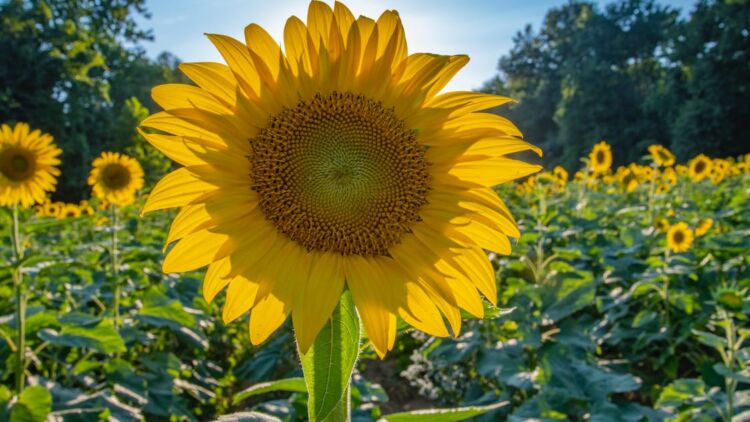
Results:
x,y
483,29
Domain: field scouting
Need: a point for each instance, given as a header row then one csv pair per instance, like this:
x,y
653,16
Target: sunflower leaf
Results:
x,y
443,415
329,363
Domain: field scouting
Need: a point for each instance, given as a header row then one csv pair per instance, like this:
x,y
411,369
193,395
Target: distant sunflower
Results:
x,y
662,224
699,167
115,178
679,237
704,226
28,165
52,209
600,158
335,162
661,156
70,211
669,176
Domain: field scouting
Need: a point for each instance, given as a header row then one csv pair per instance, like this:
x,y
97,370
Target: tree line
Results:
x,y
635,73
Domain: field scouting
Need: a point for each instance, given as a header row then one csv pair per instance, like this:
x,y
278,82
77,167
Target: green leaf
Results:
x,y
33,405
724,371
443,415
248,417
103,337
163,311
295,385
329,363
676,393
712,340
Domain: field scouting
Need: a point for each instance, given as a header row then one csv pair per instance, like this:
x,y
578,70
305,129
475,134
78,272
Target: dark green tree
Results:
x,y
68,68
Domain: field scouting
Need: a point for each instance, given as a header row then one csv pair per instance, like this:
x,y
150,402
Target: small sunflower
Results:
x,y
70,211
600,158
661,156
28,165
703,226
699,168
335,162
679,237
669,176
115,178
662,224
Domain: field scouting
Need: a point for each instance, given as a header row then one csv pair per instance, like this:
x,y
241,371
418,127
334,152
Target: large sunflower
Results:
x,y
699,168
334,163
115,178
28,165
600,158
679,237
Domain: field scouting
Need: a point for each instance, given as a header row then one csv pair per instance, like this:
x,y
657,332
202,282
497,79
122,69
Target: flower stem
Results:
x,y
116,279
20,294
730,384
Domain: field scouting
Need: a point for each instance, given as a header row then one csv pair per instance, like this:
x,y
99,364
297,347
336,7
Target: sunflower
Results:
x,y
52,209
115,178
661,156
662,224
703,226
600,158
679,237
70,211
699,167
28,165
669,176
628,179
561,177
339,156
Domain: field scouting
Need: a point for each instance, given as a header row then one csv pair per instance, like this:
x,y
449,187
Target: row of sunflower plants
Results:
x,y
626,299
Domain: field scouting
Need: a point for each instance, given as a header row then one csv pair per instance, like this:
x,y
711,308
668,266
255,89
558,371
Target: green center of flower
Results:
x,y
16,164
115,176
600,157
340,173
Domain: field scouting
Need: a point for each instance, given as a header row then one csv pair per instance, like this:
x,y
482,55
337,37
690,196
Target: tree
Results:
x,y
65,68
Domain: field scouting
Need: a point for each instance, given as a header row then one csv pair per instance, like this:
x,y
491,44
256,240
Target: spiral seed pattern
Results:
x,y
340,173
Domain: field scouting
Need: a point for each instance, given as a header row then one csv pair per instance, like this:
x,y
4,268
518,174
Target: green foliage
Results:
x,y
66,68
633,73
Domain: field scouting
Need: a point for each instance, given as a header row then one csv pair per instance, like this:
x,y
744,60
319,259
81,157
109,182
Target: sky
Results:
x,y
483,29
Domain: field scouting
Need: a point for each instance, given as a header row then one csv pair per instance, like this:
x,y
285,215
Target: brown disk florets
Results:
x,y
340,173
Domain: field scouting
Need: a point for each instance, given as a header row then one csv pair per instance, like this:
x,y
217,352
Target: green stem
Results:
x,y
116,279
20,294
731,384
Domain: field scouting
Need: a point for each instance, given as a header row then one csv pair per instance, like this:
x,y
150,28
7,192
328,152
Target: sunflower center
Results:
x,y
340,173
700,166
16,164
115,176
678,237
600,156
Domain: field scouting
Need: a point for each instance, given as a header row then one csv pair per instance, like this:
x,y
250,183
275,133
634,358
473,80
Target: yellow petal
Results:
x,y
373,297
266,316
170,96
216,279
316,298
196,250
215,78
240,298
237,56
176,189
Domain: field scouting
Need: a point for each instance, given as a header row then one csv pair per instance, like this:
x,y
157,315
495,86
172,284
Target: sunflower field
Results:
x,y
335,237
625,298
